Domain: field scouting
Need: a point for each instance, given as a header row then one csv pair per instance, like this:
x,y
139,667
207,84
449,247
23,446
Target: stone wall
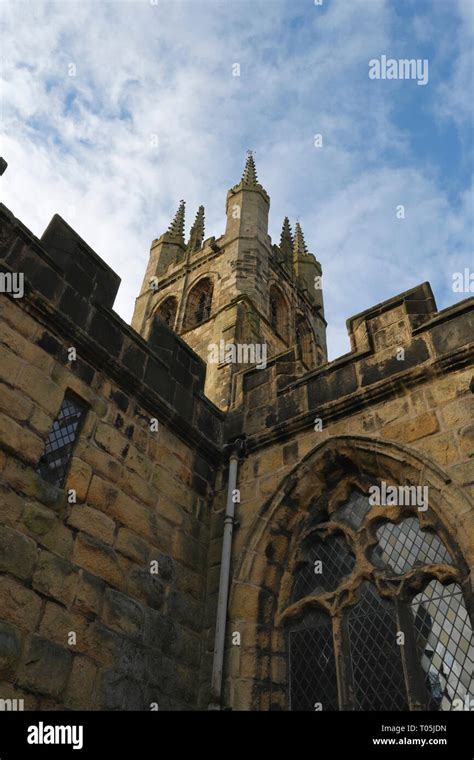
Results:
x,y
403,415
141,496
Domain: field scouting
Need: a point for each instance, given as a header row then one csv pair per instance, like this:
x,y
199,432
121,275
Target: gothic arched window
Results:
x,y
278,313
198,306
167,310
377,617
304,341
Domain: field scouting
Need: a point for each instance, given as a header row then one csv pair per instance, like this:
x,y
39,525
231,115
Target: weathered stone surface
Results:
x,y
10,651
11,505
330,386
109,439
93,522
184,610
89,595
102,644
452,334
55,577
374,370
18,553
79,478
23,479
412,429
15,405
132,546
101,494
466,440
57,624
80,686
159,631
123,614
47,530
132,660
120,692
19,605
98,558
39,521
40,388
147,587
45,668
19,440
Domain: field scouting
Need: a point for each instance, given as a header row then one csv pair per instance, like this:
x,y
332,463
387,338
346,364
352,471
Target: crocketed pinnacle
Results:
x,y
299,246
196,235
286,239
249,176
176,228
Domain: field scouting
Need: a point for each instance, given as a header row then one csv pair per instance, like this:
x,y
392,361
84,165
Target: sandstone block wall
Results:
x,y
367,407
84,568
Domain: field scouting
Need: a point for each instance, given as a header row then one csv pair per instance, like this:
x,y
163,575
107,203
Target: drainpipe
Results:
x,y
237,449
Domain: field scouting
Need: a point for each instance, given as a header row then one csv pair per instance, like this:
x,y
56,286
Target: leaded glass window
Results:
x,y
445,644
404,545
312,664
54,462
327,562
375,655
383,625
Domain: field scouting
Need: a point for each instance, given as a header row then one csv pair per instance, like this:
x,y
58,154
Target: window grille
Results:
x,y
54,462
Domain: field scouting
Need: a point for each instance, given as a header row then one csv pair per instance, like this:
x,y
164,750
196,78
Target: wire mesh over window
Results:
x,y
313,682
375,655
444,638
404,545
353,512
54,463
327,562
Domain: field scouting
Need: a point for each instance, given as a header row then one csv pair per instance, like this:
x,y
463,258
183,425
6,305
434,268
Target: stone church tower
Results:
x,y
238,289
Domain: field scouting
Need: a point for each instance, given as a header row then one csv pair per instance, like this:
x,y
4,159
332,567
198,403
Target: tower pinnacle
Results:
x,y
196,236
286,238
249,176
176,228
299,245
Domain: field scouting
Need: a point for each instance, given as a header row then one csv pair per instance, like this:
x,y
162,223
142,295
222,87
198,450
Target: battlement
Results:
x,y
396,344
71,289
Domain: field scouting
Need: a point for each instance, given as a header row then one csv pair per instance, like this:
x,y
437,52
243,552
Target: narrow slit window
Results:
x,y
54,462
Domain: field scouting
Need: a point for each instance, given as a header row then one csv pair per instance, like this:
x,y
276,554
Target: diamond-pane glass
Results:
x,y
375,655
404,546
336,563
444,638
54,462
312,666
354,510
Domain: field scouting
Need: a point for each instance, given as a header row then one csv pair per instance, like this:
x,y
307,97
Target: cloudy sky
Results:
x,y
112,111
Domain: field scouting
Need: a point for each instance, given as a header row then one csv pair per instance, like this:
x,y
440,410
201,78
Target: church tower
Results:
x,y
238,290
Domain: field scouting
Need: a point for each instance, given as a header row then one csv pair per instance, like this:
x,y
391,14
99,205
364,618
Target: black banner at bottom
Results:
x,y
136,735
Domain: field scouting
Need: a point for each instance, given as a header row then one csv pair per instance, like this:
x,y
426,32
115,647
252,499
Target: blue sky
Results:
x,y
85,146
